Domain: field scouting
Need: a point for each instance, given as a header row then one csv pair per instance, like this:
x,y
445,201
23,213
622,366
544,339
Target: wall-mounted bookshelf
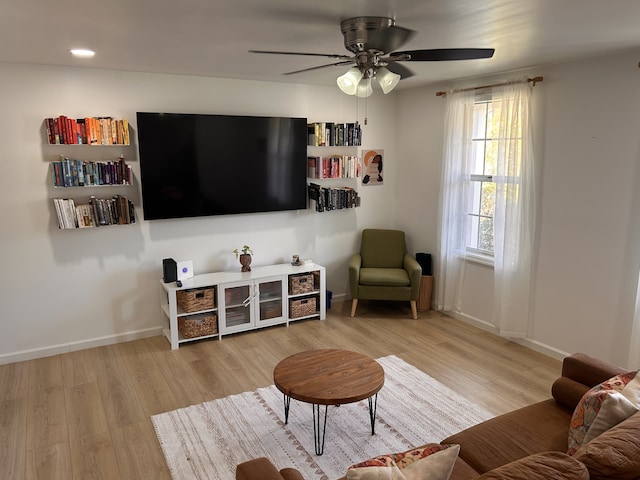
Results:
x,y
62,130
332,153
73,212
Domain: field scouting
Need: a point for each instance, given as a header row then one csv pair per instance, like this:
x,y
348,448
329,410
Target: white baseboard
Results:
x,y
81,345
525,342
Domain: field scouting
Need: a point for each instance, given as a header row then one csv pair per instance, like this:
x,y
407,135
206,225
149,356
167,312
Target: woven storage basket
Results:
x,y
198,326
196,299
300,284
302,307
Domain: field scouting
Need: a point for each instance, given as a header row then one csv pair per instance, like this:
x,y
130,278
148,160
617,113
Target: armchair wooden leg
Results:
x,y
354,304
414,310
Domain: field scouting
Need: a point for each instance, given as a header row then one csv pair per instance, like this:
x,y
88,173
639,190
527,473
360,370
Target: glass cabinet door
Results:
x,y
237,306
271,301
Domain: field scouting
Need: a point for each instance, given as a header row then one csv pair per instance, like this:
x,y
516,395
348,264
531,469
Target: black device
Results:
x,y
424,259
195,165
169,270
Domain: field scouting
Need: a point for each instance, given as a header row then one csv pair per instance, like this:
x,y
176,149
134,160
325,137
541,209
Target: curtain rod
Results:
x,y
534,80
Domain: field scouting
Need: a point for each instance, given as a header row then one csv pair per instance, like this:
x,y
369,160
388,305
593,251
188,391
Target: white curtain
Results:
x,y
455,191
514,210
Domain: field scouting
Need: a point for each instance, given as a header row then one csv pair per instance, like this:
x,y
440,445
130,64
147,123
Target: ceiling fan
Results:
x,y
373,42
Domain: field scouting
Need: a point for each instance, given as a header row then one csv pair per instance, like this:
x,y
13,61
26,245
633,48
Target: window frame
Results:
x,y
479,255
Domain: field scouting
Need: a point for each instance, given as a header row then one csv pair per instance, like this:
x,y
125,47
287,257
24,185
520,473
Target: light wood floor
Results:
x,y
86,414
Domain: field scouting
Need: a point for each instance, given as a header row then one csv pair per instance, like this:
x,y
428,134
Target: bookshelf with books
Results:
x,y
332,156
67,172
330,134
93,212
89,170
62,130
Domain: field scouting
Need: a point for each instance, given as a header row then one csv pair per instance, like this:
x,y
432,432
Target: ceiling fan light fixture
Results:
x,y
387,79
348,82
364,88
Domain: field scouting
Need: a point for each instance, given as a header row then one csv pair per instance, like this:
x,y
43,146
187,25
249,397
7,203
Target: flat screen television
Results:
x,y
194,165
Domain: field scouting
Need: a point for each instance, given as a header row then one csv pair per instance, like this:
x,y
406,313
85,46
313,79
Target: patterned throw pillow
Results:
x,y
429,462
603,407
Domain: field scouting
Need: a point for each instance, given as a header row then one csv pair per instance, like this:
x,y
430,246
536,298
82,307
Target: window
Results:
x,y
488,199
482,173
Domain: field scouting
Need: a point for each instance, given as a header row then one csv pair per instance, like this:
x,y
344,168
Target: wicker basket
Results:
x,y
198,326
300,284
196,299
302,307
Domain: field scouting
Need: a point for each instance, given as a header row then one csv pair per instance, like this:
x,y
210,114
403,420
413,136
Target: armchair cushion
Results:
x,y
392,277
382,248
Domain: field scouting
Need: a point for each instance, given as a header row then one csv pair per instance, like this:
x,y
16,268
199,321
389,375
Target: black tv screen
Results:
x,y
197,165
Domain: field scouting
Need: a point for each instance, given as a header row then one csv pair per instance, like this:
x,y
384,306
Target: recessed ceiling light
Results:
x,y
82,52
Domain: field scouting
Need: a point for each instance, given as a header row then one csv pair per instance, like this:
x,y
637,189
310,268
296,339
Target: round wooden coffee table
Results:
x,y
328,377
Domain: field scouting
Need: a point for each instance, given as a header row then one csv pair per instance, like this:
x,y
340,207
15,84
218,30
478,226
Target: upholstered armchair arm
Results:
x,y
414,270
355,262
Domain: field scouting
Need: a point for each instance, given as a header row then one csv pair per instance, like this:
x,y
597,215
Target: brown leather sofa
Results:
x,y
529,443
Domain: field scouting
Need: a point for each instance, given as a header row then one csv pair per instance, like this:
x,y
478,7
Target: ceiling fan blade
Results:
x,y
344,62
444,54
388,39
399,69
327,55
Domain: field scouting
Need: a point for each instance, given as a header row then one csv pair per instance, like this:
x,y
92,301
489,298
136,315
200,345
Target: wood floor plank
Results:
x,y
92,452
150,384
13,438
14,381
77,368
52,462
47,420
103,397
86,417
185,386
94,458
138,453
117,390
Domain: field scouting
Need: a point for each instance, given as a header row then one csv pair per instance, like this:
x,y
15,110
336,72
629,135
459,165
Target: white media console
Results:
x,y
221,303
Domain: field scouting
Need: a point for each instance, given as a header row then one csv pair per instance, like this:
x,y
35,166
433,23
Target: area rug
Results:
x,y
208,441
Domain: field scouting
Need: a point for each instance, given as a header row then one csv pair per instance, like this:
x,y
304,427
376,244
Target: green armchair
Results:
x,y
383,270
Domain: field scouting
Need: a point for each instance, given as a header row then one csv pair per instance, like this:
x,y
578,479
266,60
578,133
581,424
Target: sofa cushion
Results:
x,y
602,407
615,453
568,392
540,466
541,427
462,471
429,462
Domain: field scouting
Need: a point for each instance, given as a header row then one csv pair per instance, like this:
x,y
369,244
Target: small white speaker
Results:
x,y
185,269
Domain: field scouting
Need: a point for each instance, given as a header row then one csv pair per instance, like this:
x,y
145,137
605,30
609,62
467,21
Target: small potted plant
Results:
x,y
245,257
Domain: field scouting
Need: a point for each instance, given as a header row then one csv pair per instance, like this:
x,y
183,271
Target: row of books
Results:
x,y
87,131
336,166
325,134
98,212
333,198
79,173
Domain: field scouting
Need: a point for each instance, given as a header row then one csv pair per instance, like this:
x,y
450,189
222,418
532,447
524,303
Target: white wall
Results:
x,y
63,290
587,119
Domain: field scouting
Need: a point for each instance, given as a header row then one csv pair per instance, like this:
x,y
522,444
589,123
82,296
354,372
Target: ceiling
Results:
x,y
212,38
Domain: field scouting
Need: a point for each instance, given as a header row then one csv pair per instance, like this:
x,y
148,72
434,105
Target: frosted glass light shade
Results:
x,y
364,88
348,82
387,79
